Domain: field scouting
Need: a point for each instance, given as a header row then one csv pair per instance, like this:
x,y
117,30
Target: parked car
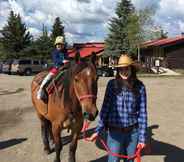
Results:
x,y
105,71
6,66
27,66
1,66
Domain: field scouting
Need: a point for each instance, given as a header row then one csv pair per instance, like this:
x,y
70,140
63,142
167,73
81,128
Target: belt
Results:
x,y
124,130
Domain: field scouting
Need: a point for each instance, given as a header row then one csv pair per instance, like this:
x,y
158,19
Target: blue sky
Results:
x,y
86,20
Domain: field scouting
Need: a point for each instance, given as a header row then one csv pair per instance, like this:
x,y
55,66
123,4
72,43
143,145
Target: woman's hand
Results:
x,y
93,137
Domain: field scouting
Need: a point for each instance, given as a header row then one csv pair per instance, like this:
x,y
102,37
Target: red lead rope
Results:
x,y
136,156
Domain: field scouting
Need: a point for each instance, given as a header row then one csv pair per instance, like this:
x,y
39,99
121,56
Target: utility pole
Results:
x,y
139,57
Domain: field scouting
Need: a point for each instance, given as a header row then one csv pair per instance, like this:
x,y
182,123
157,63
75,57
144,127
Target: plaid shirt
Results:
x,y
123,110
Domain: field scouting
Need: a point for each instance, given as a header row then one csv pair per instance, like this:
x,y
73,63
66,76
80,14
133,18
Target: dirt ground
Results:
x,y
20,139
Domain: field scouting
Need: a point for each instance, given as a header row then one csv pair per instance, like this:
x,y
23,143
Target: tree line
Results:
x,y
127,30
16,41
130,28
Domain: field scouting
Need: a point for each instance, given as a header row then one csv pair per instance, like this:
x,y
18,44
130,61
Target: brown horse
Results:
x,y
74,100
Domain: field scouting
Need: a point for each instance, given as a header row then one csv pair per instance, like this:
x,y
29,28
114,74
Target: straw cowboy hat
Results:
x,y
125,61
59,40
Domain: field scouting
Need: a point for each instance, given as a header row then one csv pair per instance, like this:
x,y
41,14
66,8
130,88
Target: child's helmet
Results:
x,y
59,40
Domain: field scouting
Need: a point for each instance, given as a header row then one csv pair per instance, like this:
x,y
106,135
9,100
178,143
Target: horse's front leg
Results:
x,y
56,131
51,137
76,129
73,146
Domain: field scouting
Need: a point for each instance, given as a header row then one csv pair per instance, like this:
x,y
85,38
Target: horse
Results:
x,y
72,101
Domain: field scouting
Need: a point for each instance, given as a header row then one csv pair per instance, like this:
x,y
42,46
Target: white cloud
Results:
x,y
35,31
170,16
16,7
140,4
4,12
86,20
82,18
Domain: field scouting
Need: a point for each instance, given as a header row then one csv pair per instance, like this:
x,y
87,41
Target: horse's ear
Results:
x,y
77,57
93,58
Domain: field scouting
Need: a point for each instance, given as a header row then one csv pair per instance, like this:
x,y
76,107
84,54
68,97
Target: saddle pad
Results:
x,y
58,80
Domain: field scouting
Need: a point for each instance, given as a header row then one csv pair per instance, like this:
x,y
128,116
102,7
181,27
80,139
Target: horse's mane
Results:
x,y
65,84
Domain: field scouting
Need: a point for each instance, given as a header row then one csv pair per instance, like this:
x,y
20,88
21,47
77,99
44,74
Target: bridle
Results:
x,y
88,96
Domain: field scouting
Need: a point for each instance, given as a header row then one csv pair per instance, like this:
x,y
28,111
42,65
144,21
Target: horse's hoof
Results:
x,y
57,160
71,160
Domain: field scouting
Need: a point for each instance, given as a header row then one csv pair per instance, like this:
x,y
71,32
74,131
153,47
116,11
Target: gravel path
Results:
x,y
20,139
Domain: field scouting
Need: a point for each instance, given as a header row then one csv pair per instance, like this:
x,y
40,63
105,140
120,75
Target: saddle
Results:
x,y
53,85
55,82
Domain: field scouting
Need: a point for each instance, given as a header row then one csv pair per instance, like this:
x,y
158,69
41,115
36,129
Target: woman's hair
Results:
x,y
132,83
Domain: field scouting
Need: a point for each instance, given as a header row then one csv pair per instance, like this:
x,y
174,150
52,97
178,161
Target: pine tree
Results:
x,y
123,31
1,50
163,34
58,29
43,45
15,36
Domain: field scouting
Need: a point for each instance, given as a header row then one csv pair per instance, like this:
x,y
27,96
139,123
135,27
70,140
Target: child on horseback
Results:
x,y
59,57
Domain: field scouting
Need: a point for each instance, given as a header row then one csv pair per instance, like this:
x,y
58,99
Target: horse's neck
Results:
x,y
67,92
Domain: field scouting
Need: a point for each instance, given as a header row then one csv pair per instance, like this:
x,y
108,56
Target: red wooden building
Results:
x,y
170,51
87,49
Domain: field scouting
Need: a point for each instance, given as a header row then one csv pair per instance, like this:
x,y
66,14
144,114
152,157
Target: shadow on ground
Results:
x,y
10,118
170,152
7,92
67,139
11,142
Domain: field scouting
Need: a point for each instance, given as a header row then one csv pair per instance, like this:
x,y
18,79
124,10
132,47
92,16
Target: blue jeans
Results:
x,y
122,143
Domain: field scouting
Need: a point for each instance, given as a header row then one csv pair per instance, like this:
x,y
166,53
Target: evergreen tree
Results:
x,y
160,34
43,45
15,36
124,30
163,34
155,33
2,56
58,29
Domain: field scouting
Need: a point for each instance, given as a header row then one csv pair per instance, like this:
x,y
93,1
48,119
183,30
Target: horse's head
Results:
x,y
85,88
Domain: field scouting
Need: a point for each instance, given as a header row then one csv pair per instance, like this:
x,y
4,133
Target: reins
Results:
x,y
136,156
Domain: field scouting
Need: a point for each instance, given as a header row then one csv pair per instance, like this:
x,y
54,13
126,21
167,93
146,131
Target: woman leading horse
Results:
x,y
72,101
